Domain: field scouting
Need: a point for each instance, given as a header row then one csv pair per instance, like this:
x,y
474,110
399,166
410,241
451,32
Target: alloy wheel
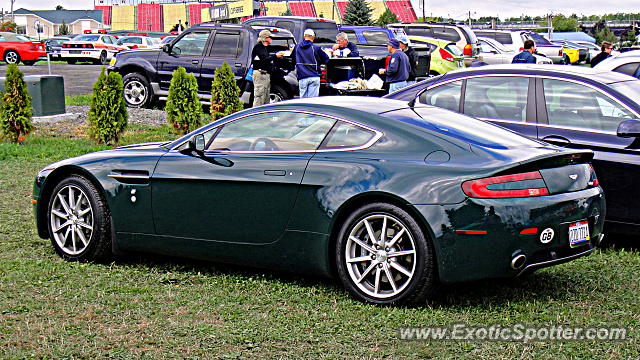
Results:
x,y
72,220
135,92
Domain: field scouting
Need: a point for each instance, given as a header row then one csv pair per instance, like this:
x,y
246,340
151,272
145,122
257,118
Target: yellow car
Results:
x,y
445,55
572,53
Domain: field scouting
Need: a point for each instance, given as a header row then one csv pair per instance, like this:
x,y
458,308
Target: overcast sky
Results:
x,y
457,9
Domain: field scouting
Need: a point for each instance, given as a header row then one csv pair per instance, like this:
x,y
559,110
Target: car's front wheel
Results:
x,y
11,57
79,221
277,94
137,91
383,256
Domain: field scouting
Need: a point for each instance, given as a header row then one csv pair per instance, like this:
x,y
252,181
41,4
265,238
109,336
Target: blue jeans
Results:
x,y
309,87
397,86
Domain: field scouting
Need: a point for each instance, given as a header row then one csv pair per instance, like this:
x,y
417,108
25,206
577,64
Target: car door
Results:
x,y
188,52
243,187
227,46
578,115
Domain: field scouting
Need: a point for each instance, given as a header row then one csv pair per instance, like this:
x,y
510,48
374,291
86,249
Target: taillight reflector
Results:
x,y
471,232
468,50
507,186
529,231
446,55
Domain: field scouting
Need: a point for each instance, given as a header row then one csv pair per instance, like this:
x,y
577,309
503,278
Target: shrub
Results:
x,y
387,17
225,93
184,111
108,113
357,12
15,105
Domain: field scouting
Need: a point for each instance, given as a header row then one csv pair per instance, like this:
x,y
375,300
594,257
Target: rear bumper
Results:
x,y
32,55
80,54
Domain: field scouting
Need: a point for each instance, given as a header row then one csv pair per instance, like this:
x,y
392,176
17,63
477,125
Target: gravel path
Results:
x,y
75,124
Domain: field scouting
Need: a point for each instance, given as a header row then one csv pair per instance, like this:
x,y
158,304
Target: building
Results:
x,y
78,21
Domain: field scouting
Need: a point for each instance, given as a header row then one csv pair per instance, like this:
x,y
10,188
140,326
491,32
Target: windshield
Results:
x,y
130,40
325,31
167,39
539,39
86,38
630,89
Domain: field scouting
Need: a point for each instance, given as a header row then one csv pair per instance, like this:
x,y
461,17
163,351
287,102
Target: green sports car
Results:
x,y
390,197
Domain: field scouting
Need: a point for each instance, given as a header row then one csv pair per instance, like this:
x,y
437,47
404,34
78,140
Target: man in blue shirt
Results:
x,y
399,67
308,58
526,56
344,47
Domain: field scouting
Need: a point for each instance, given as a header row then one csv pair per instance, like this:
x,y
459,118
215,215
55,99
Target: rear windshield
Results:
x,y
465,128
539,39
86,38
376,37
325,31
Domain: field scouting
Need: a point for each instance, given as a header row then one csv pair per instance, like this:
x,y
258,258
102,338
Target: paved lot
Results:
x,y
78,79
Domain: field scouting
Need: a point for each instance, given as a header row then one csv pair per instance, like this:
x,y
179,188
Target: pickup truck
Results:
x,y
201,50
371,58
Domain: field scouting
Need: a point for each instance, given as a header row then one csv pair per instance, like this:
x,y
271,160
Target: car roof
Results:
x,y
604,76
308,18
431,40
369,104
255,28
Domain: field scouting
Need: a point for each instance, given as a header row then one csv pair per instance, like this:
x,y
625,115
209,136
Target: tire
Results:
x,y
72,62
11,57
277,94
566,60
79,221
414,274
102,60
28,62
137,91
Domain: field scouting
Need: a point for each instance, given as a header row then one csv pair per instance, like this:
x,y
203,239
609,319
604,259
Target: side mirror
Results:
x,y
196,143
629,128
167,48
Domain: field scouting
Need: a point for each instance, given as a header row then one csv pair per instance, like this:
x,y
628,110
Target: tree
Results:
x,y
605,34
357,12
387,17
225,93
8,26
563,24
108,115
63,29
59,7
287,13
184,111
15,105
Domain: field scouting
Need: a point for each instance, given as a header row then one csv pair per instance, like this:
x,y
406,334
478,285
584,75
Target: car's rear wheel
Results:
x,y
137,91
383,256
72,62
103,58
565,59
277,94
11,57
79,221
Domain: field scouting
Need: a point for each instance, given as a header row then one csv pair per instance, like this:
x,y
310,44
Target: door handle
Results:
x,y
275,172
560,140
195,62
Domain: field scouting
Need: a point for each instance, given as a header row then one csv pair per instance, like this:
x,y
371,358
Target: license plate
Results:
x,y
75,52
578,233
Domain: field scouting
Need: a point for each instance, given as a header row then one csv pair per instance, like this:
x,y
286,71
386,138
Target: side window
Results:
x,y
576,105
106,40
504,38
446,33
345,135
351,35
497,97
191,44
289,25
629,69
225,44
376,37
276,131
419,31
445,96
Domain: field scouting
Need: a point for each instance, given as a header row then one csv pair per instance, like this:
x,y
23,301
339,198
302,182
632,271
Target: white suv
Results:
x,y
514,40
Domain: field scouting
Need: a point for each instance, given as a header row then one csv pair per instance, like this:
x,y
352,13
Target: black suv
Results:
x,y
201,50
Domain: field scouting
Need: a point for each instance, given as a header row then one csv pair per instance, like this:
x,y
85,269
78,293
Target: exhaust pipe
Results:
x,y
518,261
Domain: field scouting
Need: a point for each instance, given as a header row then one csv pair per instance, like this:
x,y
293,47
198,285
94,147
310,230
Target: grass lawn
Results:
x,y
145,306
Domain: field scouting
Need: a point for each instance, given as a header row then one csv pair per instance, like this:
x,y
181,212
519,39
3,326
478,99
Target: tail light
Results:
x,y
468,50
560,52
446,55
89,46
133,47
527,184
593,181
521,49
323,73
66,46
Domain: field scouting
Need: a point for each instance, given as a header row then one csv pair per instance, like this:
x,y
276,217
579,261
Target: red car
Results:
x,y
15,48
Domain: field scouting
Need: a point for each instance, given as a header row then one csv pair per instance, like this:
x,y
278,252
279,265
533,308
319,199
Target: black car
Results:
x,y
573,107
201,50
53,46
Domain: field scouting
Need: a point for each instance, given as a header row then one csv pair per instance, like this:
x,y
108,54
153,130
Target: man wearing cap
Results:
x,y
405,46
344,47
526,56
262,63
398,69
308,58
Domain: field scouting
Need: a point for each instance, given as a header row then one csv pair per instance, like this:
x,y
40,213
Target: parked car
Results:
x,y
629,65
462,35
573,53
97,48
514,40
370,35
138,42
592,48
166,40
53,46
445,55
201,50
492,53
575,107
325,29
389,198
17,48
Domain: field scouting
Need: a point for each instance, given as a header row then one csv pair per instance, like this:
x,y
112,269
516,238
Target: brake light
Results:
x,y
90,46
273,30
468,50
560,52
66,45
323,72
527,184
446,55
320,19
593,181
521,49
